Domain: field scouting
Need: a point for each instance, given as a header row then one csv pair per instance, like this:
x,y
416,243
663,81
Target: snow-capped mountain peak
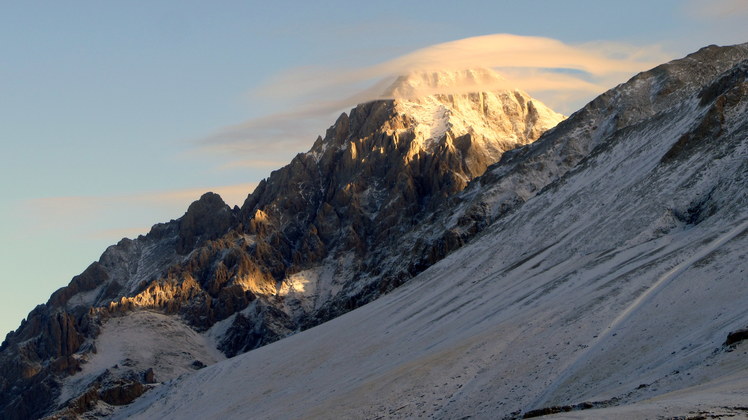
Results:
x,y
447,105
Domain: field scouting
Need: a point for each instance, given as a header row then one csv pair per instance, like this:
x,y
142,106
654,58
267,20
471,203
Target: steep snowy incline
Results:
x,y
615,285
485,354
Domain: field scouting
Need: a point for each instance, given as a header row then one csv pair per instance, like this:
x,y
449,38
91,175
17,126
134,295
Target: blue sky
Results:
x,y
115,115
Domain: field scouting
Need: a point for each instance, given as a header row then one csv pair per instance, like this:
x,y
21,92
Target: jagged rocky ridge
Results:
x,y
608,278
315,240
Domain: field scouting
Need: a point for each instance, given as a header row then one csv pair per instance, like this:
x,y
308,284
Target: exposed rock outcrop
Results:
x,y
207,218
735,337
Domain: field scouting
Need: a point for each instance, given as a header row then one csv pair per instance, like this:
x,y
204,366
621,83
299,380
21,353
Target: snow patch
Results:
x,y
141,340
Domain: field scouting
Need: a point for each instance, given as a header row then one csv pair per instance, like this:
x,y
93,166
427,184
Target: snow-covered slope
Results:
x,y
606,280
459,341
146,345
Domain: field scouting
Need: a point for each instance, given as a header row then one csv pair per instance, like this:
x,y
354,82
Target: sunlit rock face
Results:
x,y
318,238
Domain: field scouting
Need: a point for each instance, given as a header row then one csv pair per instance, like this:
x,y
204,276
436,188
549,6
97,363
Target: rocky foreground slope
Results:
x,y
318,238
608,281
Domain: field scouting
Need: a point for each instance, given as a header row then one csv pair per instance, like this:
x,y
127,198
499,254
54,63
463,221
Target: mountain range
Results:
x,y
446,253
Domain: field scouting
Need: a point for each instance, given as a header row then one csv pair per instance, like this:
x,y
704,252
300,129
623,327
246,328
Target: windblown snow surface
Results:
x,y
616,285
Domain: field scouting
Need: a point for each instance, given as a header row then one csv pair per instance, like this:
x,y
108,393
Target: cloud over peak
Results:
x,y
564,76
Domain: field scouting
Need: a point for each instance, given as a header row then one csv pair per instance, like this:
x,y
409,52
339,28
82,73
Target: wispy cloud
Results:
x,y
115,216
271,136
720,22
112,234
254,163
231,194
563,75
594,63
717,9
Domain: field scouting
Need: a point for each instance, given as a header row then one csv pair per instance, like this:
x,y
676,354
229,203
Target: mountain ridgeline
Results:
x,y
531,264
318,238
603,272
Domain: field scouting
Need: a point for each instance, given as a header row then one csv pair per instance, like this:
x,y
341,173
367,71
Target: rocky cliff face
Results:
x,y
319,237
